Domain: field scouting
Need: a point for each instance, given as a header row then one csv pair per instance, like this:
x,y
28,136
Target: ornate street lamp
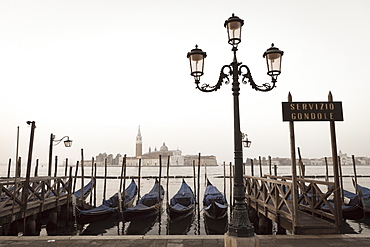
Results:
x,y
240,224
67,143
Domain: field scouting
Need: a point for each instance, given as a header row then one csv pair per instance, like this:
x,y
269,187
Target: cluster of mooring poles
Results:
x,y
56,202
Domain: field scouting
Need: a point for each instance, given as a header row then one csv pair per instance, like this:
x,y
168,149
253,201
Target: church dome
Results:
x,y
164,148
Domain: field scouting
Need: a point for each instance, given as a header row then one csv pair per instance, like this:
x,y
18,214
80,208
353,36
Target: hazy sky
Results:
x,y
97,69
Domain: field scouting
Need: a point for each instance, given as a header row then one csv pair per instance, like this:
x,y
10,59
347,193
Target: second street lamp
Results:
x,y
67,143
240,225
246,142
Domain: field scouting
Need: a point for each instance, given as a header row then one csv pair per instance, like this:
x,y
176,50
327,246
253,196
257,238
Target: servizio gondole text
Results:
x,y
312,111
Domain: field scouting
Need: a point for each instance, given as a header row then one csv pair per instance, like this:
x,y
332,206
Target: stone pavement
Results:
x,y
186,240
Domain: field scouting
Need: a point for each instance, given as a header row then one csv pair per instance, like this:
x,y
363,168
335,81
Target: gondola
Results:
x,y
352,208
365,193
147,206
87,189
109,207
214,202
77,195
182,204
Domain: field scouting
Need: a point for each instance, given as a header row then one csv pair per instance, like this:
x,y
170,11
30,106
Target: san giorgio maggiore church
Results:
x,y
151,158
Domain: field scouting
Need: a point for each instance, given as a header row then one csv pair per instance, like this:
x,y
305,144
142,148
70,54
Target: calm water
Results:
x,y
159,225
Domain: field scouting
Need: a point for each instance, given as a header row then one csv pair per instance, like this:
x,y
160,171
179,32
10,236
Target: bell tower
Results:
x,y
139,144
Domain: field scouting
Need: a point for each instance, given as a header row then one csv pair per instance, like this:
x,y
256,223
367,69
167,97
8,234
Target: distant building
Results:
x,y
139,144
151,158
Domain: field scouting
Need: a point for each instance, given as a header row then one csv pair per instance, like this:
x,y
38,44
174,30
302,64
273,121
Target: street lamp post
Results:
x,y
240,225
67,143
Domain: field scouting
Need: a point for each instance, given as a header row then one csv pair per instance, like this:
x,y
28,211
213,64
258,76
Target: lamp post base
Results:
x,y
240,225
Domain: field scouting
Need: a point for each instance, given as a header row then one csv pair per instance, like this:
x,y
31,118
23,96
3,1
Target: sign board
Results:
x,y
312,111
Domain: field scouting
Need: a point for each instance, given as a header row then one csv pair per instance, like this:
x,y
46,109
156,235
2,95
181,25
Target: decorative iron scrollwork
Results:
x,y
247,78
223,78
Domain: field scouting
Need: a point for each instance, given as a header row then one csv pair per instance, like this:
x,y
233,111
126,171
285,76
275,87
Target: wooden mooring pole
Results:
x,y
124,174
160,194
270,168
327,170
66,168
168,179
195,183
93,189
105,179
16,151
26,189
341,180
198,187
96,183
260,164
18,167
159,180
231,187
198,194
56,166
50,154
69,198
121,177
294,173
224,164
337,193
205,174
139,180
75,179
82,178
252,168
9,167
37,168
354,173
